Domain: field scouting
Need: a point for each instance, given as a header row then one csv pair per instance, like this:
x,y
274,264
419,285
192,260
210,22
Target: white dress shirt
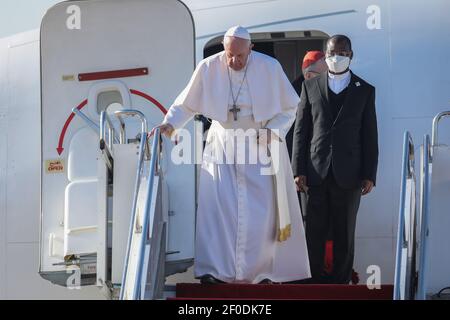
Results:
x,y
338,82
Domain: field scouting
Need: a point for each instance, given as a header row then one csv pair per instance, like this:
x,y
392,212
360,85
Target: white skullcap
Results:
x,y
238,32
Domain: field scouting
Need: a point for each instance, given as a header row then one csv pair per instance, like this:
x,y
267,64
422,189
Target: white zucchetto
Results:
x,y
238,32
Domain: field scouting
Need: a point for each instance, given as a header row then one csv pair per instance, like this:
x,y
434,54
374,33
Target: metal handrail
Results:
x,y
153,171
105,120
104,147
123,136
132,113
425,194
133,213
436,119
86,119
407,173
154,162
144,125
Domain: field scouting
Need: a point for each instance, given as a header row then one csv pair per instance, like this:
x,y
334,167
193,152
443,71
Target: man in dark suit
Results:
x,y
335,157
313,64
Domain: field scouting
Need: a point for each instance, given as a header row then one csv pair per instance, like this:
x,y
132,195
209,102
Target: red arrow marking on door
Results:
x,y
60,148
149,98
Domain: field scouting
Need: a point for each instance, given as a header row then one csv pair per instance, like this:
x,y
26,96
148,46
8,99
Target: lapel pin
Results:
x,y
357,84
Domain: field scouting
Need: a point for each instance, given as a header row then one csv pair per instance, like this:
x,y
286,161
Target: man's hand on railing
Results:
x,y
165,129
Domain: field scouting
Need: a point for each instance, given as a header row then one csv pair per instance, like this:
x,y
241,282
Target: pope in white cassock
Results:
x,y
249,225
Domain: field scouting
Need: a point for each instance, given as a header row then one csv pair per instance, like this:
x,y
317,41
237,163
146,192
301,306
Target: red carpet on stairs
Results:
x,y
282,291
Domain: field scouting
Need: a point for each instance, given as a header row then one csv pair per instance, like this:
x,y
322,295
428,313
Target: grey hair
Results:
x,y
311,67
225,37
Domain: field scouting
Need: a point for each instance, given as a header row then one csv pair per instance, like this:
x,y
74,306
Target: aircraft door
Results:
x,y
98,55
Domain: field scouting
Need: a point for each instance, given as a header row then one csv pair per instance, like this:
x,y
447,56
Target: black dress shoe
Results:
x,y
209,279
266,281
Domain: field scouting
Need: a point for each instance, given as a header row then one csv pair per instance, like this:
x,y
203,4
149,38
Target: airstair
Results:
x,y
142,271
423,258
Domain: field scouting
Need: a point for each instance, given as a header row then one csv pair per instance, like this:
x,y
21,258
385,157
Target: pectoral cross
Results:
x,y
235,110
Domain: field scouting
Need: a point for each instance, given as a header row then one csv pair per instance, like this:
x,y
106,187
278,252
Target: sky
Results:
x,y
22,15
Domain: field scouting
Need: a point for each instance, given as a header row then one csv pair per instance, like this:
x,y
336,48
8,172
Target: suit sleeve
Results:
x,y
300,144
370,140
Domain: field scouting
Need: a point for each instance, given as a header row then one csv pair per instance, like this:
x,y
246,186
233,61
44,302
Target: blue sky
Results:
x,y
22,15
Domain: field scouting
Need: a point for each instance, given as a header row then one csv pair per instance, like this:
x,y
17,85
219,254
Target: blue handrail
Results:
x,y
137,290
426,156
94,126
142,146
436,120
407,173
146,221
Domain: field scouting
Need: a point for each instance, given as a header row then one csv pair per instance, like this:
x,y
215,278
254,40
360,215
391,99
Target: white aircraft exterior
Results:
x,y
56,208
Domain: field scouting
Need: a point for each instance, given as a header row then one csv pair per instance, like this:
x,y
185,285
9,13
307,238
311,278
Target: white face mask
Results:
x,y
338,64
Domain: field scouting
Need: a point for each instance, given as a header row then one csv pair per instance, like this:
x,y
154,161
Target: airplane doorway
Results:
x,y
288,48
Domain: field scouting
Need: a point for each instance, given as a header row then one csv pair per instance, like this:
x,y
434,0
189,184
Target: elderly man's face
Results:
x,y
237,51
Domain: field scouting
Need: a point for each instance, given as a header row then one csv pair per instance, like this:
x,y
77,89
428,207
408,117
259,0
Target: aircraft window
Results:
x,y
109,100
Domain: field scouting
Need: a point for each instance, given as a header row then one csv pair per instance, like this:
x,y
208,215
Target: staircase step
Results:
x,y
283,291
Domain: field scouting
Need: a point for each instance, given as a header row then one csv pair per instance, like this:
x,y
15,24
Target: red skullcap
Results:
x,y
311,57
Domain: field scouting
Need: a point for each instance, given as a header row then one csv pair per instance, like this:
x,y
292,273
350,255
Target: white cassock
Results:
x,y
249,225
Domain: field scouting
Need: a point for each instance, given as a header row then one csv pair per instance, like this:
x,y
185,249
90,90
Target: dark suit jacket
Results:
x,y
349,143
297,84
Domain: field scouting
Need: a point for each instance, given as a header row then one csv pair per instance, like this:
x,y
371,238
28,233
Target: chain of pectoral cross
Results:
x,y
235,108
